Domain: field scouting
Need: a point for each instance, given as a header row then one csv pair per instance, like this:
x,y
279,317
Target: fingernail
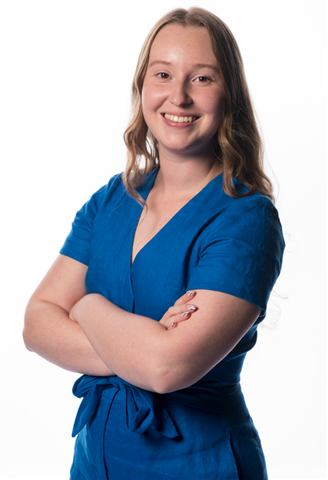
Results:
x,y
172,325
191,308
185,314
191,294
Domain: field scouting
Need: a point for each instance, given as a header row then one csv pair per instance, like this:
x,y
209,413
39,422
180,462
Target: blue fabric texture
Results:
x,y
214,242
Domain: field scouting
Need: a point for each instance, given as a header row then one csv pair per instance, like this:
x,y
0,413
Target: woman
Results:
x,y
191,224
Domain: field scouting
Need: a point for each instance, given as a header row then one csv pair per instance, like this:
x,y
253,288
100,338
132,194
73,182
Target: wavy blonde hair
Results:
x,y
237,144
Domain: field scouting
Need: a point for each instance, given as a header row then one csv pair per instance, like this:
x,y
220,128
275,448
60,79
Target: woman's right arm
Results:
x,y
48,330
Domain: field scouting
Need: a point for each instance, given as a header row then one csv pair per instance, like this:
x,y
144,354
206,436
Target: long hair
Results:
x,y
237,144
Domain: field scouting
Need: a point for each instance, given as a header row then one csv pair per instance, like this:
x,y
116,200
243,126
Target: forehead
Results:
x,y
176,43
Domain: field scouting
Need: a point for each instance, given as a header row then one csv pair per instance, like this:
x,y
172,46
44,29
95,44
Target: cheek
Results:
x,y
151,98
144,99
216,108
149,104
147,97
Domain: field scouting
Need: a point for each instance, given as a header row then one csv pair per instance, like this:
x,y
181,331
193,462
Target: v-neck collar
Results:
x,y
144,194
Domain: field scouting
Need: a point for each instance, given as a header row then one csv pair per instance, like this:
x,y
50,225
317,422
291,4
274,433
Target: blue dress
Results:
x,y
214,242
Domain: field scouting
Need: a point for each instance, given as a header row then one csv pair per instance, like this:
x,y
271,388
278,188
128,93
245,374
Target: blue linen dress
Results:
x,y
214,242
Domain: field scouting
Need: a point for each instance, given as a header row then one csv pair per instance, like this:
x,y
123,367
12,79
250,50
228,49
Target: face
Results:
x,y
182,96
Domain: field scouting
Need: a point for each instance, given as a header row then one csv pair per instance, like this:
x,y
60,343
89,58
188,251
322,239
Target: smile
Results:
x,y
176,119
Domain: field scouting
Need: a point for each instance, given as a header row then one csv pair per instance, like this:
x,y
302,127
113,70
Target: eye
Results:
x,y
162,75
203,79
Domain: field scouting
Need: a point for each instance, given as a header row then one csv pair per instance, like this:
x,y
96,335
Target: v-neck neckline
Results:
x,y
144,195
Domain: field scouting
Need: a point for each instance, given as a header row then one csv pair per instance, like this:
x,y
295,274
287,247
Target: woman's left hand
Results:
x,y
180,312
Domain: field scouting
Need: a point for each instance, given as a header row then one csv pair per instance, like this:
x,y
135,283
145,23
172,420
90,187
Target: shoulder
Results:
x,y
113,189
77,243
241,249
256,210
252,221
114,184
87,213
247,209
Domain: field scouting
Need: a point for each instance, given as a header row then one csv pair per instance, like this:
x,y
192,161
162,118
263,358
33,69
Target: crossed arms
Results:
x,y
89,334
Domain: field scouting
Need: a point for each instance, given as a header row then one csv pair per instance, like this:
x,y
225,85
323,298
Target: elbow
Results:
x,y
168,371
162,389
157,375
167,385
176,374
159,386
167,380
27,334
26,340
29,330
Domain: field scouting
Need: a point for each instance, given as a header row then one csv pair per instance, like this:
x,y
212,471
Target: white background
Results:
x,y
66,71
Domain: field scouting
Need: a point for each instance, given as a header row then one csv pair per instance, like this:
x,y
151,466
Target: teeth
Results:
x,y
174,118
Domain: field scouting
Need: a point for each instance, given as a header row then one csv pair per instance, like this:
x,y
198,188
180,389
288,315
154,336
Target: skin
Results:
x,y
176,84
88,333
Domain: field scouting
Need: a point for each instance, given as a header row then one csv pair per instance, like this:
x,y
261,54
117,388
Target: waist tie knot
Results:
x,y
143,411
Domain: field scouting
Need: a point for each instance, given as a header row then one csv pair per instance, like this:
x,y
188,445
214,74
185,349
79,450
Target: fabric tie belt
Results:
x,y
143,411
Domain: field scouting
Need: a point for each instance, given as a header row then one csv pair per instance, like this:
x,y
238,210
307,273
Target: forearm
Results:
x,y
127,343
145,353
50,333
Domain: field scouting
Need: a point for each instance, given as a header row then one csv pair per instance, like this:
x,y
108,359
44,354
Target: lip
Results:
x,y
181,114
178,124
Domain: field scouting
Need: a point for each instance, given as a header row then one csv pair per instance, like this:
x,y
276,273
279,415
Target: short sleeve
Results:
x,y
241,253
77,243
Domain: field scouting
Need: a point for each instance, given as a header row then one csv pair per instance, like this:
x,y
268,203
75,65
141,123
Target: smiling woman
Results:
x,y
183,93
160,285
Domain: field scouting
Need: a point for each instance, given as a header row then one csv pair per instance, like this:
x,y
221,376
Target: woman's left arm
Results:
x,y
146,354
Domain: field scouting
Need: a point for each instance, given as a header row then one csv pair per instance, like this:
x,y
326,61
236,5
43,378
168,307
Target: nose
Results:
x,y
180,94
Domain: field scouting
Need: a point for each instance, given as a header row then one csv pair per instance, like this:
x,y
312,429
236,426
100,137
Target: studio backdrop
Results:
x,y
66,73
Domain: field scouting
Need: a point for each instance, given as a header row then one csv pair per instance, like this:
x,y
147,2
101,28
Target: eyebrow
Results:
x,y
196,65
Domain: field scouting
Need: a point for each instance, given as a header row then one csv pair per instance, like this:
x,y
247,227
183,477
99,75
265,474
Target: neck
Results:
x,y
179,178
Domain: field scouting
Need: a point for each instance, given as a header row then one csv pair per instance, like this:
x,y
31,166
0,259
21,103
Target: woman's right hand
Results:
x,y
181,311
